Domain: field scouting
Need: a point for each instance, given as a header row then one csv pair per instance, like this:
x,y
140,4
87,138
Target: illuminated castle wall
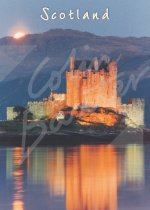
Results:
x,y
91,84
94,84
11,114
134,111
49,107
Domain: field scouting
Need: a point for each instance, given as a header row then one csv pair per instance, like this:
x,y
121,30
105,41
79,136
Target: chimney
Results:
x,y
72,60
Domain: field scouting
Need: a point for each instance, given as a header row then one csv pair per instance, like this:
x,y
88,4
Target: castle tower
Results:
x,y
88,86
73,78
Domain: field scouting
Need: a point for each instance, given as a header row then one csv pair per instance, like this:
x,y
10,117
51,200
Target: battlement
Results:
x,y
94,65
136,101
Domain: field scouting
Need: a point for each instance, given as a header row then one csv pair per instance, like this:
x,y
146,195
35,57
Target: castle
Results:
x,y
89,84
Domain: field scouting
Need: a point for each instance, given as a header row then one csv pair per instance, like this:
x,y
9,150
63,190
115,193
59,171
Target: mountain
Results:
x,y
20,59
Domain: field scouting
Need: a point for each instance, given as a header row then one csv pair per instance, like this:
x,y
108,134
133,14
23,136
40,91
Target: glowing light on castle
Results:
x,y
92,84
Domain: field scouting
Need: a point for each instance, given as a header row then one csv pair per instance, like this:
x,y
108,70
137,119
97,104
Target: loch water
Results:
x,y
84,177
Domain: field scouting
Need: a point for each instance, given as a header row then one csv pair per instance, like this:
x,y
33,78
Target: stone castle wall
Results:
x,y
56,97
37,109
11,114
134,112
52,108
92,88
46,109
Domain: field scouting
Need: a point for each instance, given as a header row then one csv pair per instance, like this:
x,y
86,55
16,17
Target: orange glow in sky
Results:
x,y
19,35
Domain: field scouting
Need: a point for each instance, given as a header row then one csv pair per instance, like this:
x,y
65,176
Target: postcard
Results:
x,y
74,105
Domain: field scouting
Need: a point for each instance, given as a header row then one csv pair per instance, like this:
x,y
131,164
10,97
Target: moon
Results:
x,y
19,35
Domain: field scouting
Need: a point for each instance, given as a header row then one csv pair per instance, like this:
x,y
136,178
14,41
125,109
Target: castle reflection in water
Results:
x,y
87,177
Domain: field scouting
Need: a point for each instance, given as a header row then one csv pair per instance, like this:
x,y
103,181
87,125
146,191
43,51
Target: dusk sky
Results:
x,y
127,17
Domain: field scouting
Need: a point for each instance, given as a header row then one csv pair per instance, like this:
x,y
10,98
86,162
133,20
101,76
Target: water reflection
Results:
x,y
48,167
91,179
85,177
56,172
134,165
18,172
